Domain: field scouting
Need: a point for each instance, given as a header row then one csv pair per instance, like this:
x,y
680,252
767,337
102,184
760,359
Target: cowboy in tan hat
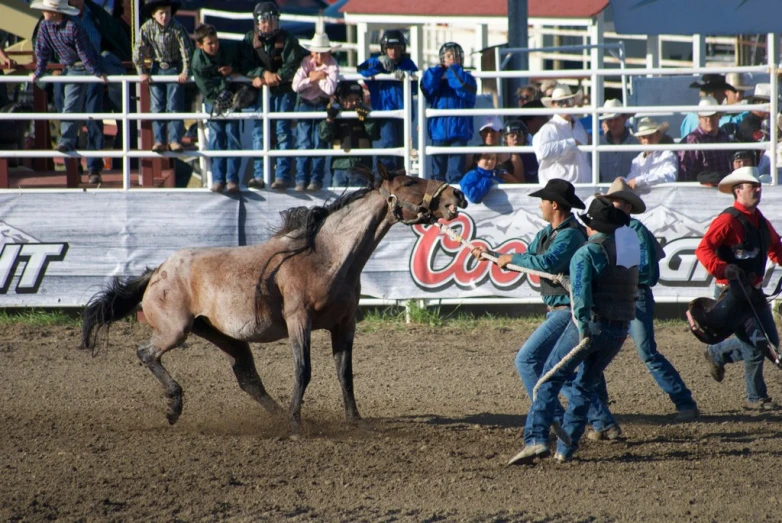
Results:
x,y
615,132
642,327
652,167
694,165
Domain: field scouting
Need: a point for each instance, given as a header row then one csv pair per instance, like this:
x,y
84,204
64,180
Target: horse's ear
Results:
x,y
383,172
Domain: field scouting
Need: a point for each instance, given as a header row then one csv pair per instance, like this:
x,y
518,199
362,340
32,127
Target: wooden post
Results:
x,y
43,139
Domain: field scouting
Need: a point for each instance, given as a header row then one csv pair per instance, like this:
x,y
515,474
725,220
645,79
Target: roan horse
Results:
x,y
306,277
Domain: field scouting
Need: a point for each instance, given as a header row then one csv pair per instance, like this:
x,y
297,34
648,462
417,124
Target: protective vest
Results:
x,y
751,254
613,292
547,287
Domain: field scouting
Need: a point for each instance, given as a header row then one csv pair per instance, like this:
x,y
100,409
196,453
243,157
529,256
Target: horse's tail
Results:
x,y
117,300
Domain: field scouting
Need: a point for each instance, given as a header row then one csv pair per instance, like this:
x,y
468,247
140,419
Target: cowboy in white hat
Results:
x,y
652,167
315,82
556,143
706,165
717,87
735,250
615,131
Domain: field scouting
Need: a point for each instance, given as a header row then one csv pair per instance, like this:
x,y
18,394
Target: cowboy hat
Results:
x,y
602,216
560,191
561,92
713,82
55,6
739,81
491,122
619,190
150,6
708,105
648,126
740,175
613,103
320,44
762,94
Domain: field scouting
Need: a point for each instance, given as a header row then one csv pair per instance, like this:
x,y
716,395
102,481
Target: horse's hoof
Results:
x,y
272,406
174,409
295,437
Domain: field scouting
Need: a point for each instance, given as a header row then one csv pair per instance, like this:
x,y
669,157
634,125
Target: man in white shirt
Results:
x,y
556,144
652,167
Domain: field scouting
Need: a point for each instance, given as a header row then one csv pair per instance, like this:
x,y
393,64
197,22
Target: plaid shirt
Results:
x,y
69,41
162,44
693,163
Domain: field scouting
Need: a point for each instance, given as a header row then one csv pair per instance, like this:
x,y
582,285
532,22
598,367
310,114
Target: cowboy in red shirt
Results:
x,y
736,247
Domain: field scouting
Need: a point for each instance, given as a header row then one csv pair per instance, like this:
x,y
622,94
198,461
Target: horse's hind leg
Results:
x,y
342,347
150,355
299,330
243,364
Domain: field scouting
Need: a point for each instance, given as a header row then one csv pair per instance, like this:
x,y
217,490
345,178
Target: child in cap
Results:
x,y
476,183
315,82
214,64
166,43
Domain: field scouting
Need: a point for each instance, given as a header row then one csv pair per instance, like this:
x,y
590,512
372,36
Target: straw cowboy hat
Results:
x,y
56,6
713,82
648,126
561,92
739,81
619,190
320,44
613,103
740,175
708,106
602,216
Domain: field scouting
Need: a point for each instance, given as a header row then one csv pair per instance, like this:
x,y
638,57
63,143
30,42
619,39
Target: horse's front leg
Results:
x,y
299,330
342,347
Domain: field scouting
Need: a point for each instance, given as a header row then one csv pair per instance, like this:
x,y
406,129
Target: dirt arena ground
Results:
x,y
86,439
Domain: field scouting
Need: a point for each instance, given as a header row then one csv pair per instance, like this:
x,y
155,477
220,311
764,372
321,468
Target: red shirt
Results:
x,y
727,230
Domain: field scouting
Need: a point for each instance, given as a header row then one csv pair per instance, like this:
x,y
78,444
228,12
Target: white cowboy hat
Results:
x,y
491,122
613,103
320,44
55,6
648,126
740,175
739,81
561,92
762,93
708,105
619,190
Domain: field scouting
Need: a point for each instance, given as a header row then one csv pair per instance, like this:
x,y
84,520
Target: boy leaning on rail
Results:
x,y
166,43
62,34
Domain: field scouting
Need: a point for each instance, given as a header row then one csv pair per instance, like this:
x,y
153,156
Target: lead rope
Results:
x,y
560,278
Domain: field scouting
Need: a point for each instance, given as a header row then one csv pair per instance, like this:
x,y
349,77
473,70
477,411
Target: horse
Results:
x,y
306,277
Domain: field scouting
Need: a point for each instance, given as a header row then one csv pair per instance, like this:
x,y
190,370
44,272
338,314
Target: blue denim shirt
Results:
x,y
651,254
556,259
587,264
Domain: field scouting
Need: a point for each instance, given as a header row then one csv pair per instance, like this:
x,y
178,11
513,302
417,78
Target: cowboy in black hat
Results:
x,y
713,85
603,283
550,251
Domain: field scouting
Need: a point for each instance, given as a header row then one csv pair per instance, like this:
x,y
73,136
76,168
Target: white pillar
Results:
x,y
596,94
698,50
416,47
652,52
362,33
481,42
774,132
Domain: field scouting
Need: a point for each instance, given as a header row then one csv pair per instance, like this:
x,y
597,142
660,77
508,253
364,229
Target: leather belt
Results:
x,y
167,65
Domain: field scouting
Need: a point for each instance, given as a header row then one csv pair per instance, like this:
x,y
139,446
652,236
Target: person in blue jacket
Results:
x,y
387,95
449,86
477,182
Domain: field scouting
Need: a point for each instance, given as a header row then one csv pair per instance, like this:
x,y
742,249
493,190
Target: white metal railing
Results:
x,y
125,117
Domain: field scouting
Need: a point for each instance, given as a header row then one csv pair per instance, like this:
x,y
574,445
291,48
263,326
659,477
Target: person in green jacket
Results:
x,y
270,56
348,134
214,64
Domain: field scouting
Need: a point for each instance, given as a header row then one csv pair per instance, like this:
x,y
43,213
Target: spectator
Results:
x,y
556,144
713,85
750,128
527,93
490,135
547,87
61,33
615,164
270,56
740,82
478,181
388,95
348,134
316,82
534,121
449,86
706,166
214,64
652,167
521,167
166,42
744,159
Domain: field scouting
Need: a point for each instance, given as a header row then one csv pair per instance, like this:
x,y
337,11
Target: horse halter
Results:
x,y
422,210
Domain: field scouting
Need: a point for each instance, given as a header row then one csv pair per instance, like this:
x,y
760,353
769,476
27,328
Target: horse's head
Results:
x,y
415,200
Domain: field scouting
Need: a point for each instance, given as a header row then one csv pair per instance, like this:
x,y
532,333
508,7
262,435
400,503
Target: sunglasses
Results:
x,y
570,102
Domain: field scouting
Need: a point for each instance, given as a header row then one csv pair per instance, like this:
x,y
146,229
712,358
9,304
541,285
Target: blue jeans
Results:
x,y
740,348
278,103
308,137
533,355
74,98
606,341
642,332
224,136
391,136
346,178
448,167
167,98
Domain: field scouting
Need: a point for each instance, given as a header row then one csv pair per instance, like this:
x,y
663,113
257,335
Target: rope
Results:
x,y
556,278
569,356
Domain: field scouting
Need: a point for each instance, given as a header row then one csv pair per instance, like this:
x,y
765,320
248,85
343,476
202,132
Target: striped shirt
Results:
x,y
693,163
69,41
169,44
